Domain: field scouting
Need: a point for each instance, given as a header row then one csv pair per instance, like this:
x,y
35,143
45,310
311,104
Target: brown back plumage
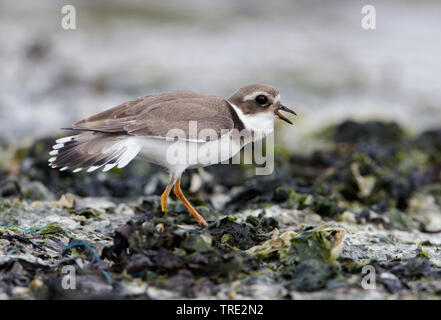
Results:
x,y
154,115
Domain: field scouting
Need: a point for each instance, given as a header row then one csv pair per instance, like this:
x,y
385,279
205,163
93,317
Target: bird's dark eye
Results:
x,y
261,99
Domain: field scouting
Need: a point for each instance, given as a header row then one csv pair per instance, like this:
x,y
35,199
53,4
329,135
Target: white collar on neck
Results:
x,y
262,121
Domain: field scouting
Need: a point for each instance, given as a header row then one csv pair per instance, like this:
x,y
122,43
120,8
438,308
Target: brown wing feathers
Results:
x,y
106,140
155,115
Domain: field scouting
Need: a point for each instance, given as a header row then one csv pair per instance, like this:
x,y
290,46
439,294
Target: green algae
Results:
x,y
323,243
319,202
85,212
241,235
289,198
276,247
400,220
227,239
196,243
421,252
52,229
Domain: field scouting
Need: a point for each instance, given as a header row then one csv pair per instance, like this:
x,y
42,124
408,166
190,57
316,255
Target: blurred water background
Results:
x,y
325,65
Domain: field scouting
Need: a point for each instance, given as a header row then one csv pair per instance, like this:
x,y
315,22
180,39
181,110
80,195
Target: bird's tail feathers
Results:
x,y
93,150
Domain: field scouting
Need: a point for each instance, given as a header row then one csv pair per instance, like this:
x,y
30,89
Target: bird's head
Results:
x,y
258,105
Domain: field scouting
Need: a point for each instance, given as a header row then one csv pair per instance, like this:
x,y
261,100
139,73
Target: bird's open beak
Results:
x,y
281,116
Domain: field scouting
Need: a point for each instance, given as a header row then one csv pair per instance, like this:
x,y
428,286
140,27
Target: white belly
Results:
x,y
187,154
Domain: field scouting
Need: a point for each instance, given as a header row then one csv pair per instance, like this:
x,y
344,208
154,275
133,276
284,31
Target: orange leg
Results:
x,y
180,195
164,197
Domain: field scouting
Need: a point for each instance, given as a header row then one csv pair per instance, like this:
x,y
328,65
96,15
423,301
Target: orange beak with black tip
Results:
x,y
281,116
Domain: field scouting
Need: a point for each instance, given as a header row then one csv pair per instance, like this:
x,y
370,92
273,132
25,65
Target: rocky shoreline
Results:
x,y
308,231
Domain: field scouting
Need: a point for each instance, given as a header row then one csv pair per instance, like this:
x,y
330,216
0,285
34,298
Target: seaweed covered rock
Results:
x,y
372,198
240,235
309,275
322,243
140,247
368,132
